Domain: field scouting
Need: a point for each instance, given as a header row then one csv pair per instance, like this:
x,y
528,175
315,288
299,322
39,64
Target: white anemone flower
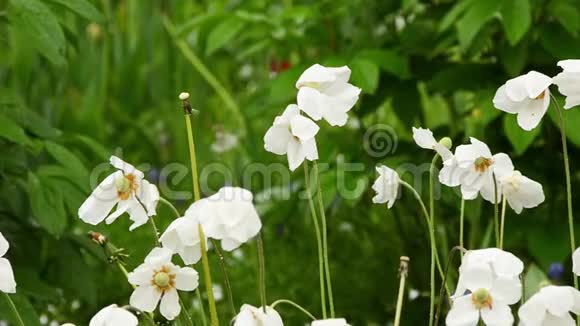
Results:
x,y
292,134
330,322
551,306
125,188
228,215
386,186
473,168
528,96
158,279
7,282
114,316
488,296
568,82
253,316
324,93
424,139
182,236
521,192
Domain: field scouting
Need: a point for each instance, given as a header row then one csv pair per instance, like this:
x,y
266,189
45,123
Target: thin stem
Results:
x,y
502,223
324,240
227,283
403,269
192,158
184,311
318,238
441,291
155,232
461,224
261,271
14,310
495,211
201,307
170,205
207,275
295,305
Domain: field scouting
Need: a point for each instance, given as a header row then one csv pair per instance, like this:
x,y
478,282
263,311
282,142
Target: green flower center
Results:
x,y
481,299
162,279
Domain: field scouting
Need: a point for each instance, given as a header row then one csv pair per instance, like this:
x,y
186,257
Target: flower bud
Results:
x,y
184,96
446,141
98,238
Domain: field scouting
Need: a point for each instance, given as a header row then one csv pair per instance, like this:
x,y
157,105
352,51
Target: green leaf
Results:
x,y
40,26
23,307
534,280
67,159
390,61
571,121
519,138
47,205
454,14
12,131
223,33
514,58
83,8
479,13
517,19
365,74
566,14
435,108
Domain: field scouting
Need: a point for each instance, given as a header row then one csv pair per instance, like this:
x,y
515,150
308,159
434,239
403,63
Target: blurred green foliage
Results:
x,y
81,80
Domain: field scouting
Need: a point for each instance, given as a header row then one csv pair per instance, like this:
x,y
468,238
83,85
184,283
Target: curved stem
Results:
x,y
461,224
295,305
502,223
403,268
227,283
495,211
318,238
14,310
155,232
170,205
261,271
324,240
441,292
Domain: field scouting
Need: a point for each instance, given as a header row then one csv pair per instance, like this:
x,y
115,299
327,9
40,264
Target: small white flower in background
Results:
x,y
551,306
125,188
521,192
386,186
568,82
158,279
576,262
330,322
224,142
488,297
114,316
70,324
292,134
324,93
228,215
424,139
7,282
528,96
182,236
253,316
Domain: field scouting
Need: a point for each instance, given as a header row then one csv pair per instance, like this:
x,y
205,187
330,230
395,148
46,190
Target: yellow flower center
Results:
x,y
481,299
482,164
125,186
163,279
541,96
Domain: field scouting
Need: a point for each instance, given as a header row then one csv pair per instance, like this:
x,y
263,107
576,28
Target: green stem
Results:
x,y
403,268
227,283
324,239
318,238
14,310
495,211
201,307
461,224
502,223
441,291
185,312
295,305
192,158
261,271
170,205
155,232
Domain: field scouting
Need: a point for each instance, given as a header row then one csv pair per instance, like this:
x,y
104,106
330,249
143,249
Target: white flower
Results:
x,y
528,96
324,93
292,134
568,82
488,297
125,188
330,322
473,167
228,215
386,186
114,316
182,236
158,279
424,139
224,142
521,192
7,282
253,316
576,261
551,306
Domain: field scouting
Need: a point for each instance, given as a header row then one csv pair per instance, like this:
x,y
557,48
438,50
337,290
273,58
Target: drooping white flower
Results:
x,y
182,236
576,262
292,134
386,186
473,167
330,322
253,316
520,191
157,280
125,188
228,215
224,141
487,296
551,306
324,93
528,96
114,316
568,82
424,139
7,282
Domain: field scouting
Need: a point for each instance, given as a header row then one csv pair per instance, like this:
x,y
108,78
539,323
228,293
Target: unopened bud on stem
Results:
x,y
446,141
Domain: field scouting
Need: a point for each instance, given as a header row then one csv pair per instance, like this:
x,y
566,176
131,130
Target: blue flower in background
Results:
x,y
556,271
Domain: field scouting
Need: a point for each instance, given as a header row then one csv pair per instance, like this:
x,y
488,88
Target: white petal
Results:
x,y
303,128
229,244
424,138
502,101
451,174
126,167
330,322
443,151
296,154
319,74
276,139
576,261
477,276
290,112
537,83
557,299
532,312
96,208
522,192
170,307
148,194
138,215
498,315
386,186
191,254
142,275
122,207
158,256
507,289
502,165
114,316
516,89
310,149
186,279
530,116
309,101
334,117
145,298
551,320
7,282
462,313
3,245
570,65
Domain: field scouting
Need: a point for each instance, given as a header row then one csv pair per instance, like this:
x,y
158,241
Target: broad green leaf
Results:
x,y
534,280
83,8
435,108
390,61
566,14
282,88
25,310
67,159
47,205
35,20
11,131
559,42
365,74
514,58
479,13
519,138
223,33
517,19
453,14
